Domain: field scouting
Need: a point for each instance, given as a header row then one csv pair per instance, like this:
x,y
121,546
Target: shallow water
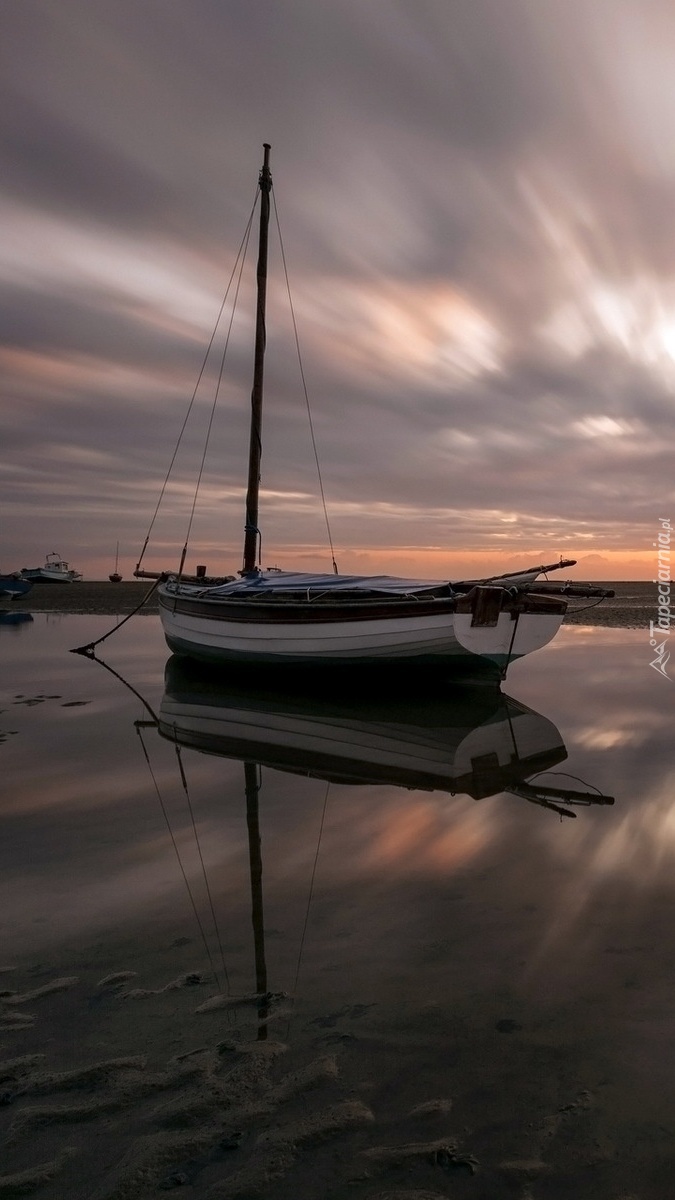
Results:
x,y
507,961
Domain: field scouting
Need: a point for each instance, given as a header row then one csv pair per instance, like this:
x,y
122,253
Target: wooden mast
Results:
x,y
251,531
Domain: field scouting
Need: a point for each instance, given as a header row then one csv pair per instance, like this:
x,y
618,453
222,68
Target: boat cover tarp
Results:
x,y
301,583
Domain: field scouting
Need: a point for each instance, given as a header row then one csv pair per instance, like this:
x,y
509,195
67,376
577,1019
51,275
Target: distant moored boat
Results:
x,y
55,570
115,577
14,586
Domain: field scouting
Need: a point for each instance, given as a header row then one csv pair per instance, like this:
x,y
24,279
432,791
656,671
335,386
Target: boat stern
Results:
x,y
495,624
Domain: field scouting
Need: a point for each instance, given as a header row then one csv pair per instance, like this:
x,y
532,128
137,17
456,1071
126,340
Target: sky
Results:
x,y
477,205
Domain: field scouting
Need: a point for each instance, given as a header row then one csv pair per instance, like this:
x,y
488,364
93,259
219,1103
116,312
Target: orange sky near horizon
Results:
x,y
609,566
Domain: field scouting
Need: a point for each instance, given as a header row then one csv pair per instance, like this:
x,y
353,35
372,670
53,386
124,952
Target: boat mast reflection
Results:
x,y
252,785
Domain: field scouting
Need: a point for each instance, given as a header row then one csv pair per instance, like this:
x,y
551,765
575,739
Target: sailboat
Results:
x,y
271,618
115,577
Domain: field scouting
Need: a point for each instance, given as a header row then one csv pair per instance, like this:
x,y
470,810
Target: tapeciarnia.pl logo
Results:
x,y
665,614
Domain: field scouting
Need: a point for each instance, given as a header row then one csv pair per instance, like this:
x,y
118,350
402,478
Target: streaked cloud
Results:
x,y
476,202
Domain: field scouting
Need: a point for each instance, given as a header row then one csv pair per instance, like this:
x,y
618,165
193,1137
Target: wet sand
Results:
x,y
632,608
95,596
123,1084
111,1091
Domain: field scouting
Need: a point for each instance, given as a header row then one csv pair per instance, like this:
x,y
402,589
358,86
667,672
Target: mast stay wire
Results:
x,y
186,881
203,865
242,248
309,904
304,386
217,391
154,721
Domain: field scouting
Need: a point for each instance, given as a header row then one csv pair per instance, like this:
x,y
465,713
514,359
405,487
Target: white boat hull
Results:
x,y
40,575
55,570
447,639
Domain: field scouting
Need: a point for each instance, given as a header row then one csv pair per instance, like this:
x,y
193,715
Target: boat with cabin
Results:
x,y
55,570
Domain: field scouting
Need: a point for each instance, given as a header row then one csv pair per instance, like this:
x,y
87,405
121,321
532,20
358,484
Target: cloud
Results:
x,y
476,203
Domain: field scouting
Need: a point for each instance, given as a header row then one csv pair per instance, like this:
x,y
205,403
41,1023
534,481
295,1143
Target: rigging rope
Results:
x,y
237,271
309,901
566,775
304,387
584,607
242,248
201,859
155,723
180,862
217,392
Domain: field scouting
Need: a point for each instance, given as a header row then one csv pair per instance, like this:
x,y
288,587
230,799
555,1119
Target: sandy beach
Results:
x,y
632,607
125,1080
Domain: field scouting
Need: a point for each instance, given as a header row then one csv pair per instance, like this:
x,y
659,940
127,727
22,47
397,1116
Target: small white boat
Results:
x,y
55,570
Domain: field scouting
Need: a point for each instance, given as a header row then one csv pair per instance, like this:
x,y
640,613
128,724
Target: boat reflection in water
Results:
x,y
474,740
14,619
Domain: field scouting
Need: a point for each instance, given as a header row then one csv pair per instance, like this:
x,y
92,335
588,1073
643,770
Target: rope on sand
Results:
x,y
88,650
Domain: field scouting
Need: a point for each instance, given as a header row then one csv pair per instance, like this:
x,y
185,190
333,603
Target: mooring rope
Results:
x,y
309,902
90,646
134,691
